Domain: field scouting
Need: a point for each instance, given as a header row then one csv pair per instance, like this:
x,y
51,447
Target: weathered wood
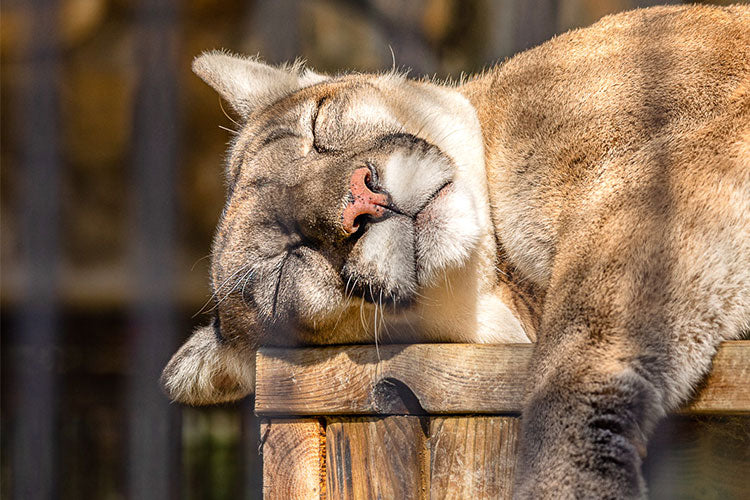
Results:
x,y
376,458
472,457
293,459
418,378
441,379
727,387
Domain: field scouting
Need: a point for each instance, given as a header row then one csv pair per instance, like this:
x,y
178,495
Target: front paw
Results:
x,y
586,437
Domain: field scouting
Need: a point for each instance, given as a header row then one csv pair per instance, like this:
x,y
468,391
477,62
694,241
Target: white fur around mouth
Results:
x,y
423,216
446,232
411,178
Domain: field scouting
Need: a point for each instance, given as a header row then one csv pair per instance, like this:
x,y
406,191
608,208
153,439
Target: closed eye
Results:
x,y
279,133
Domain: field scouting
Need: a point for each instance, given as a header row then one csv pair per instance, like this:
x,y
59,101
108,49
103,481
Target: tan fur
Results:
x,y
598,201
619,175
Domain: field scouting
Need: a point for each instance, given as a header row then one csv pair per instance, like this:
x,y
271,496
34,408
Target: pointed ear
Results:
x,y
209,369
248,84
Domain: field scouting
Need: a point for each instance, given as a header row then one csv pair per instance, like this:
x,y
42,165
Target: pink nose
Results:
x,y
364,201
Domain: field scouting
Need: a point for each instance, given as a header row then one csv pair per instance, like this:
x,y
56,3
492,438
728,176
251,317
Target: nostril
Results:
x,y
369,183
372,181
363,202
360,222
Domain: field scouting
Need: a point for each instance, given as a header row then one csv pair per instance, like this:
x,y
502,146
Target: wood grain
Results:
x,y
376,458
293,459
407,379
727,387
472,457
441,379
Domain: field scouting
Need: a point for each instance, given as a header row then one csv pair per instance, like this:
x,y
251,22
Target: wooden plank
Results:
x,y
407,379
472,457
293,458
441,379
376,458
727,387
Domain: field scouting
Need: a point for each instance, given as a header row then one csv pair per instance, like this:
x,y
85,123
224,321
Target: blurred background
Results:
x,y
110,189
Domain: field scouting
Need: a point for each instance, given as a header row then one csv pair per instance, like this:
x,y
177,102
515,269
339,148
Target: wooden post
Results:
x,y
441,421
293,458
371,457
473,457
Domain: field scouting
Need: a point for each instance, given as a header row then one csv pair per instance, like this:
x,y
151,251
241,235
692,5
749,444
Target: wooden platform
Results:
x,y
441,420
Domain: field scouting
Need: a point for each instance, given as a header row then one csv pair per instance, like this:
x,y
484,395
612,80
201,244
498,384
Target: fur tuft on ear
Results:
x,y
248,84
208,369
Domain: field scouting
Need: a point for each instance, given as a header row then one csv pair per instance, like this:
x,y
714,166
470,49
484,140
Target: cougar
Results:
x,y
591,195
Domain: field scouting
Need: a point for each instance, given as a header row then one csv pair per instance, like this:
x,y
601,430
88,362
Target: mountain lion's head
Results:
x,y
356,209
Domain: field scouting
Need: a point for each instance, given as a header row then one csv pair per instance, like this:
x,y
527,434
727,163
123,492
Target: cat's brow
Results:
x,y
279,133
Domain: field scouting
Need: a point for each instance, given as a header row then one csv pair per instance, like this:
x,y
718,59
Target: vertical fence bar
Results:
x,y
536,22
501,25
275,24
154,460
401,24
252,468
35,442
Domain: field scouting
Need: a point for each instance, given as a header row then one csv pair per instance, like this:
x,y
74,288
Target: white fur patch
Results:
x,y
411,177
205,371
447,231
386,251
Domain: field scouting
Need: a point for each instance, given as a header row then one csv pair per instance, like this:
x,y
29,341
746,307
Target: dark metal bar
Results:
x,y
536,22
35,439
252,468
268,20
153,464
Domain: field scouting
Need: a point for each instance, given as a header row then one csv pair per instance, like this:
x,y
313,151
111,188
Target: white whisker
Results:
x,y
233,132
217,290
362,313
235,287
375,325
448,282
221,105
192,268
347,300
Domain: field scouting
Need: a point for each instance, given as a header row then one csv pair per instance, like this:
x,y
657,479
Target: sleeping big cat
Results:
x,y
591,194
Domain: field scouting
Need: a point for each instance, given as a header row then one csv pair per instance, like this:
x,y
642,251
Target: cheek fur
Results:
x,y
447,231
412,176
311,289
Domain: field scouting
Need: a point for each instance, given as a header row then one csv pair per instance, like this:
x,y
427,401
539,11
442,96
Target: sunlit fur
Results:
x,y
438,255
618,163
597,200
209,369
